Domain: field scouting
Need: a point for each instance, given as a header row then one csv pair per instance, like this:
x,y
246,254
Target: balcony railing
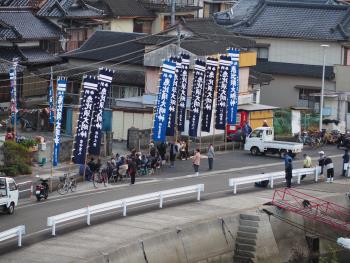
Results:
x,y
165,5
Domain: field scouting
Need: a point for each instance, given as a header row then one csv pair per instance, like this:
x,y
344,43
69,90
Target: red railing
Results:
x,y
313,208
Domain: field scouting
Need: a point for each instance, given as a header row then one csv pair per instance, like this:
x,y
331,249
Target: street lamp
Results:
x,y
322,88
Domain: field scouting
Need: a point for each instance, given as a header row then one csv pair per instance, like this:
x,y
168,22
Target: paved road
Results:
x,y
231,164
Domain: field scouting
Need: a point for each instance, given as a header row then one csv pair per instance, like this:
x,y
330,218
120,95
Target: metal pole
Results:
x,y
322,88
173,5
15,62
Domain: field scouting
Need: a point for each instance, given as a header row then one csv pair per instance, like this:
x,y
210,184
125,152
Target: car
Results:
x,y
8,194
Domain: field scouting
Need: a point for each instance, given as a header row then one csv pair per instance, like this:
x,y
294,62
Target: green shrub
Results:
x,y
17,159
28,143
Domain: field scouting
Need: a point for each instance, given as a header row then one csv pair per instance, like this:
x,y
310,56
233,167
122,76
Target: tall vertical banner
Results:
x,y
170,130
185,64
87,103
196,100
50,100
221,101
211,70
105,77
161,114
13,104
61,89
233,87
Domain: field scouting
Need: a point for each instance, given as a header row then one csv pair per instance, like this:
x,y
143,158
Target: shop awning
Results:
x,y
256,107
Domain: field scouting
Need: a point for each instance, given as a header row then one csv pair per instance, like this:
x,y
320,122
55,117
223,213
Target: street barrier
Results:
x,y
14,232
234,182
29,189
122,203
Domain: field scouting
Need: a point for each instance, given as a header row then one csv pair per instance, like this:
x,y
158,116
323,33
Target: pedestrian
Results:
x,y
289,172
246,130
196,161
306,164
265,124
328,164
211,155
321,161
346,159
183,150
132,166
162,150
173,152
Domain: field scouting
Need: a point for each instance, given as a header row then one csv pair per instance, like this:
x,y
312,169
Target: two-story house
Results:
x,y
289,35
76,18
125,15
33,42
210,7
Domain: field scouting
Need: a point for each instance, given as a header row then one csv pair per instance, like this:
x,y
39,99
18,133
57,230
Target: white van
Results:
x,y
8,194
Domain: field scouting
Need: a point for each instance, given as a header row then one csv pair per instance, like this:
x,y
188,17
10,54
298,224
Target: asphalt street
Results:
x,y
227,165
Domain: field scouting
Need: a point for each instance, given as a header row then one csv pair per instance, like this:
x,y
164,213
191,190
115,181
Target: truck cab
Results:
x,y
261,141
8,194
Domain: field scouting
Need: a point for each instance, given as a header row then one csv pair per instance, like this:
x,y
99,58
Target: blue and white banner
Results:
x,y
87,103
233,87
170,130
221,101
196,100
209,88
182,96
105,77
50,100
61,89
160,121
13,104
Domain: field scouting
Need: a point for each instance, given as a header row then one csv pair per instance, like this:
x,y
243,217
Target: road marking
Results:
x,y
158,180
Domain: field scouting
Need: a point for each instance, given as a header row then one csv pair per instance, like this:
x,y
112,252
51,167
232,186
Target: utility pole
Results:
x,y
322,89
173,5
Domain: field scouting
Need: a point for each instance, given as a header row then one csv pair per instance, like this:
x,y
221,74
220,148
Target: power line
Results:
x,y
90,70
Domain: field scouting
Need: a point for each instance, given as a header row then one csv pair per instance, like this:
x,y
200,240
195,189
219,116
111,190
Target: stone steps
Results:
x,y
246,239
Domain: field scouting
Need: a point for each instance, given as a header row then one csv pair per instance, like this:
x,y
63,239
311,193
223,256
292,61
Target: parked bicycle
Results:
x,y
67,183
100,177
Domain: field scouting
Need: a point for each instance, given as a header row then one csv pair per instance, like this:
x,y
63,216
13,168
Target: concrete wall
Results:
x,y
342,78
207,241
122,25
302,51
282,92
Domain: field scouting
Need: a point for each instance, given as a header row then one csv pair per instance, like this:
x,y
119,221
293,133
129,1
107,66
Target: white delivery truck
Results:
x,y
8,194
261,140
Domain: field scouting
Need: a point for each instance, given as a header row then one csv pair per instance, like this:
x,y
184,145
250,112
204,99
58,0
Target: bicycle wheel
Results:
x,y
73,186
96,179
62,188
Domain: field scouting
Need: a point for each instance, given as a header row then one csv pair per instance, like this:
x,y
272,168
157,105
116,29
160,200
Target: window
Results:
x,y
256,134
3,191
347,56
12,185
262,53
304,94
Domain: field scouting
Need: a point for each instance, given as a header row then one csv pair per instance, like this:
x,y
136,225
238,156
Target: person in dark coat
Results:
x,y
162,150
132,170
328,164
346,159
289,172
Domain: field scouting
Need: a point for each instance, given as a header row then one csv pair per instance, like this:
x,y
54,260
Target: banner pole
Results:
x,y
53,131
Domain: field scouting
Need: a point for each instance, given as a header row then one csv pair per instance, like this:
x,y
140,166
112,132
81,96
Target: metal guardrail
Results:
x,y
122,203
234,182
30,189
18,231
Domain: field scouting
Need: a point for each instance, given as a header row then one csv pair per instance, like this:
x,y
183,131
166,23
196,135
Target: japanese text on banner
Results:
x,y
163,101
233,87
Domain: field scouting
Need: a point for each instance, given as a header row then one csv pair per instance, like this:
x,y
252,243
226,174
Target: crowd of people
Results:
x,y
138,163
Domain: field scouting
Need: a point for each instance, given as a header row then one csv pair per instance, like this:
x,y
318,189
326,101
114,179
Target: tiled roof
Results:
x,y
158,40
132,51
28,55
206,47
24,25
16,3
125,77
69,9
5,67
122,8
288,19
299,70
256,77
